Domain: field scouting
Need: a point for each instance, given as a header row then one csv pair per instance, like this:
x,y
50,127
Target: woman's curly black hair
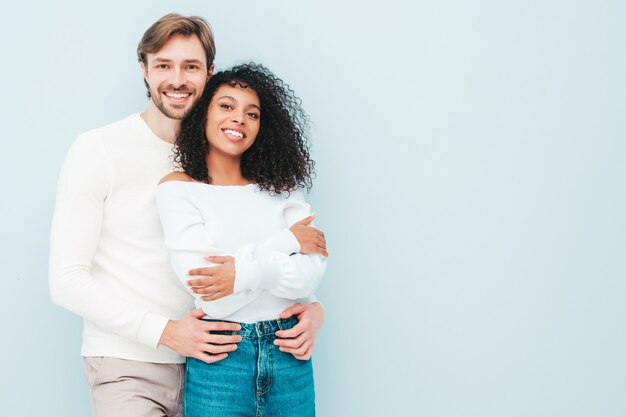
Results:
x,y
279,159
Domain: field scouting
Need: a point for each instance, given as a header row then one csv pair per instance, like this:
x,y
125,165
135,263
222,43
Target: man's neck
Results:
x,y
165,128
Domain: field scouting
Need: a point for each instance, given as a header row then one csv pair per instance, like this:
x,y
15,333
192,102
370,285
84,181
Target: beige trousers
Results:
x,y
120,388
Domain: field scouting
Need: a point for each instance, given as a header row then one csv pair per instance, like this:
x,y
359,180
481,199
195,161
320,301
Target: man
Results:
x,y
108,261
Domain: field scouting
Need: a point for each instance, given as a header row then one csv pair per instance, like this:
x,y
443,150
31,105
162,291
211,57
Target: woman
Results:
x,y
245,158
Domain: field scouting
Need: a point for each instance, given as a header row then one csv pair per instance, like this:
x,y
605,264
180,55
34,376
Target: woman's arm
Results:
x,y
256,266
214,282
300,273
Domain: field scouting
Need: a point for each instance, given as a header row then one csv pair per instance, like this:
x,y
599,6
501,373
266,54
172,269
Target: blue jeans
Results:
x,y
255,380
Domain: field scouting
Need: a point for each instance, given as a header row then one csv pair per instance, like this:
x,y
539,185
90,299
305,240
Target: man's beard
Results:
x,y
173,111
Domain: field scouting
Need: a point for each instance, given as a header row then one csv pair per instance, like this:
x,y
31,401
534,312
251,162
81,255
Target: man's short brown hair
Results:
x,y
172,24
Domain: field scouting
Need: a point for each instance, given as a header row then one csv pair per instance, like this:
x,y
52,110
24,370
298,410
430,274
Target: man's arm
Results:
x,y
82,190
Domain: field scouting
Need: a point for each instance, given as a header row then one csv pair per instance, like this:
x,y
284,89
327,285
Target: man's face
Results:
x,y
176,75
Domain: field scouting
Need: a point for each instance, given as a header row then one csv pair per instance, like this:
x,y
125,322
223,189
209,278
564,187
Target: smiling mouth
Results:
x,y
234,134
177,96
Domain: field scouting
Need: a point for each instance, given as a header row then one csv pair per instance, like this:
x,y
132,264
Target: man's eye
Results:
x,y
192,67
162,66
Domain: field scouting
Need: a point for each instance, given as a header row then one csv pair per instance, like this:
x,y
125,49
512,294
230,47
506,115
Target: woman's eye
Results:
x,y
253,115
225,106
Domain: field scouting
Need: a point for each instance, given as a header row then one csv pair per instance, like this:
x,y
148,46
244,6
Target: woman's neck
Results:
x,y
224,170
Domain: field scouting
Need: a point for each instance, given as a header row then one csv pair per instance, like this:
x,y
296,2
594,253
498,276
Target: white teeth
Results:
x,y
233,133
177,95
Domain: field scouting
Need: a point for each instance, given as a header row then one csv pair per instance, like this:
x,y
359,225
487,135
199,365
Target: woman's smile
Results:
x,y
233,120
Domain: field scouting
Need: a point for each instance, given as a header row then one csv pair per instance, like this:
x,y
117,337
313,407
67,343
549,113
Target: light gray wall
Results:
x,y
471,169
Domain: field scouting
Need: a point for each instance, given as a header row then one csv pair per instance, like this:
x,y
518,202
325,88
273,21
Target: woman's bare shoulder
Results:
x,y
176,176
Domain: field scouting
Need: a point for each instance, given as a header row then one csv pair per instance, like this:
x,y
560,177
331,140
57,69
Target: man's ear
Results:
x,y
209,73
144,69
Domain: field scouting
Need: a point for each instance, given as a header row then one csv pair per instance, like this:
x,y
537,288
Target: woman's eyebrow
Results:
x,y
235,100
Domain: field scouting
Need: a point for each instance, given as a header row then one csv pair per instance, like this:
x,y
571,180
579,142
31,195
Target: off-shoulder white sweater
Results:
x,y
201,219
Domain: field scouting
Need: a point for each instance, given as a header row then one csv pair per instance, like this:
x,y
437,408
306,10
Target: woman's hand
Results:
x,y
216,281
311,240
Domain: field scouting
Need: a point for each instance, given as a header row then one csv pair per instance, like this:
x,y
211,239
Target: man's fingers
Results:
x,y
222,339
199,282
306,356
292,333
218,259
217,349
207,272
209,289
207,297
291,343
291,311
300,350
215,295
221,326
205,357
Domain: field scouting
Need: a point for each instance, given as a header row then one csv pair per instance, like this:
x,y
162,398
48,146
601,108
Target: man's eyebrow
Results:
x,y
187,61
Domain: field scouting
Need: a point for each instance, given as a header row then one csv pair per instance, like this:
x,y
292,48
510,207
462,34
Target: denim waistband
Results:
x,y
260,328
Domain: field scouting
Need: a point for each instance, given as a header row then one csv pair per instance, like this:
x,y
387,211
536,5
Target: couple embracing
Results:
x,y
196,200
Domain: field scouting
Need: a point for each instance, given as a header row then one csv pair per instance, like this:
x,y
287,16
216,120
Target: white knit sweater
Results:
x,y
108,260
251,225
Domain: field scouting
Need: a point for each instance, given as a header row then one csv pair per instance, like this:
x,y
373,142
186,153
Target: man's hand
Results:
x,y
190,336
300,339
217,281
311,240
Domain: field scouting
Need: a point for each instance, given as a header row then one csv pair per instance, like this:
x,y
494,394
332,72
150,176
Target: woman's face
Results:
x,y
233,120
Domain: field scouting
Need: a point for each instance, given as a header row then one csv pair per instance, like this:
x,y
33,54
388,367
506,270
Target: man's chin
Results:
x,y
176,112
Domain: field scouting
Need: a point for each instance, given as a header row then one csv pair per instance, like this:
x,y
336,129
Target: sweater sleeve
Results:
x,y
257,266
82,190
189,242
300,274
286,274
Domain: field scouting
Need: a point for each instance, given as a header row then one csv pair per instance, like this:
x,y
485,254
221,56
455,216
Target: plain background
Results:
x,y
471,174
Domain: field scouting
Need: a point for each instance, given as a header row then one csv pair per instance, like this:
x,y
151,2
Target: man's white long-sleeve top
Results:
x,y
108,260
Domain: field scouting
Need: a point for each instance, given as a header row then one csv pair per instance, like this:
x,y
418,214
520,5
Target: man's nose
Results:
x,y
178,78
